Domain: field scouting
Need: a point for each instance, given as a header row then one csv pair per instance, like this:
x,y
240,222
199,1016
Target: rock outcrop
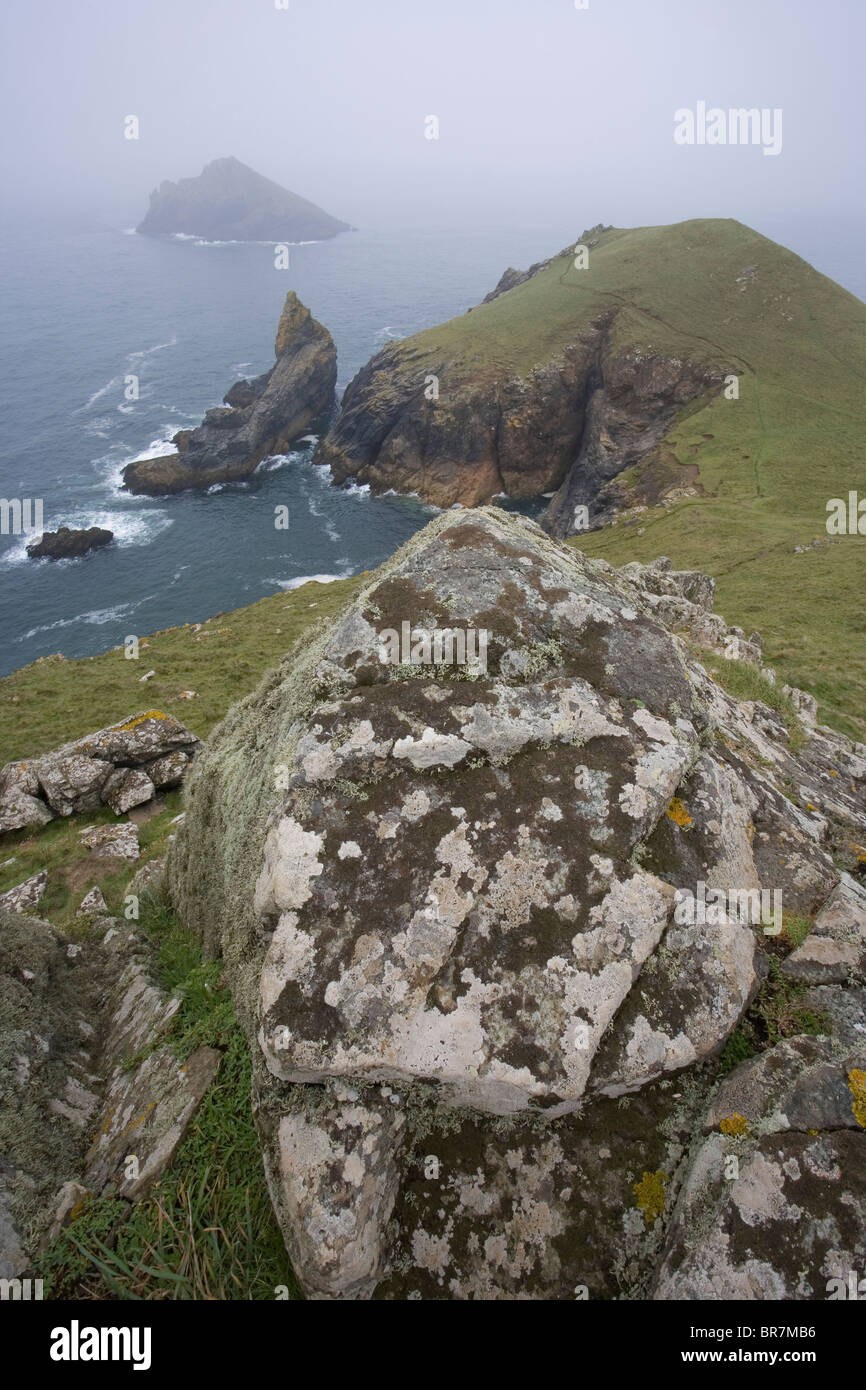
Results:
x,y
261,417
228,201
489,927
68,544
94,1100
121,766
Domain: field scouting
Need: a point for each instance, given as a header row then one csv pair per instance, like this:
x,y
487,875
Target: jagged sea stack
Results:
x,y
261,417
486,1043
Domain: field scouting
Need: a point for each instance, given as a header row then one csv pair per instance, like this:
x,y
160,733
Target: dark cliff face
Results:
x,y
571,425
631,402
229,201
263,416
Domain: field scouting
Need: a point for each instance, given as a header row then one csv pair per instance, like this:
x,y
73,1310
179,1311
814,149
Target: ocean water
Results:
x,y
85,309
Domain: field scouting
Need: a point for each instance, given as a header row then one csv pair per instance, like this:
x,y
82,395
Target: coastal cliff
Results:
x,y
556,382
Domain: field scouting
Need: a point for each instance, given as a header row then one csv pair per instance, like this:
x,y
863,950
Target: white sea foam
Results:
x,y
242,241
117,381
157,447
308,579
97,395
148,352
112,467
96,616
426,506
274,462
129,527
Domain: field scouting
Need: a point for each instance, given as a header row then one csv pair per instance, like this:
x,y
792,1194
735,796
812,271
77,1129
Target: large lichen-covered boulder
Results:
x,y
453,894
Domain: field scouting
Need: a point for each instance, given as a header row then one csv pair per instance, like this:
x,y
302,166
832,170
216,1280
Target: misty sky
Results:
x,y
545,111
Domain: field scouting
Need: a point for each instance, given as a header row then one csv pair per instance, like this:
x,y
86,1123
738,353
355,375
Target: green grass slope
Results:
x,y
54,699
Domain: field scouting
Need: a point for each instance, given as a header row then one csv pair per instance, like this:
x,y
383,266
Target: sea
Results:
x,y
87,309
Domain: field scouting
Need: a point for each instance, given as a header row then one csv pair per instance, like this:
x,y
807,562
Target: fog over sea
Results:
x,y
83,308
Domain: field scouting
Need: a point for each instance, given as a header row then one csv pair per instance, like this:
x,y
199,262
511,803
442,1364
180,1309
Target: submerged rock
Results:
x,y
470,913
263,417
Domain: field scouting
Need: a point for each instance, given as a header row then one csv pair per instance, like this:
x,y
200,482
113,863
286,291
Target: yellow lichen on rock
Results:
x,y
857,1085
735,1124
650,1193
140,719
678,814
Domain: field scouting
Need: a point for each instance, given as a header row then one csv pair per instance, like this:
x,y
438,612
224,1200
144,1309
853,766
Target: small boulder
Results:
x,y
148,879
20,810
787,1215
24,896
127,787
111,841
93,904
139,739
18,778
168,770
161,1095
69,1198
72,781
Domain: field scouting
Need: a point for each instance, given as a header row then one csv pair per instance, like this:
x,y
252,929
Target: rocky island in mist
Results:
x,y
229,201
